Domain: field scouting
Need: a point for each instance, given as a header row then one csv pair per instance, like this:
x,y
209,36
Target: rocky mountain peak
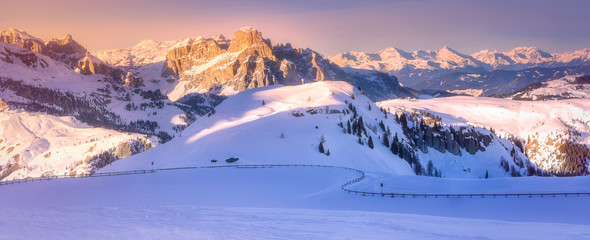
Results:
x,y
66,50
22,39
248,37
251,61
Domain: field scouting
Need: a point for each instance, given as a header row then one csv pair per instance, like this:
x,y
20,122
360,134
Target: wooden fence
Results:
x,y
344,186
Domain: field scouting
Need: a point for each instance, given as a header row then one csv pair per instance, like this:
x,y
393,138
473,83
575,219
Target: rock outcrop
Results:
x,y
3,106
66,50
90,65
132,81
12,54
23,39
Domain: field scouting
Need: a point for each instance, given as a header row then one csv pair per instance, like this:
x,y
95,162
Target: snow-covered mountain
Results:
x,y
555,135
333,123
62,95
411,68
223,66
414,68
564,88
34,145
528,57
500,82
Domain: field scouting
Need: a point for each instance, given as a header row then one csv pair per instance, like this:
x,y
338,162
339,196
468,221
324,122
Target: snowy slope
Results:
x,y
59,119
500,82
146,60
543,126
576,86
288,129
49,86
144,53
282,203
34,145
243,127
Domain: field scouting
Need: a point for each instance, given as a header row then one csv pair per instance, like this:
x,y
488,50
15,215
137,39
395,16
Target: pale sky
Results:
x,y
327,26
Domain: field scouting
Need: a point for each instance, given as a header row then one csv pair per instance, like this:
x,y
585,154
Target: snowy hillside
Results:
x,y
284,203
34,145
555,134
37,83
500,82
287,125
577,86
146,60
144,53
56,120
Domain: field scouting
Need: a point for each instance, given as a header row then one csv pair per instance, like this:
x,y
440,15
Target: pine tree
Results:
x,y
385,139
348,127
382,125
393,148
429,168
403,120
371,142
321,147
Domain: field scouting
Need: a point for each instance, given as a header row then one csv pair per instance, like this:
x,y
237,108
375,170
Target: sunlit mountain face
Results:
x,y
179,121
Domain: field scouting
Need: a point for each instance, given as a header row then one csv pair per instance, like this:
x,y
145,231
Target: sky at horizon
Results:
x,y
327,26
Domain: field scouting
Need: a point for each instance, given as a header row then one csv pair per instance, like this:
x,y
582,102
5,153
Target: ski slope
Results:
x,y
45,145
289,127
294,202
242,127
548,122
276,203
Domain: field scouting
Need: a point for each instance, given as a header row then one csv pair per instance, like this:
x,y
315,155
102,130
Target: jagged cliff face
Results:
x,y
3,106
66,50
23,39
242,64
19,56
249,61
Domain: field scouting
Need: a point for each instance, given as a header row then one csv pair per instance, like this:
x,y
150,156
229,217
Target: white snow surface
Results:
x,y
563,87
276,203
545,121
57,76
243,127
520,118
289,202
144,53
49,145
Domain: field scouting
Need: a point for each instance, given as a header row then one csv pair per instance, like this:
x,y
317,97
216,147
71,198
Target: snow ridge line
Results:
x,y
344,186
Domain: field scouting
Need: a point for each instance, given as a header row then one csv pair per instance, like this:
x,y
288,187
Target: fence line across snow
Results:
x,y
344,187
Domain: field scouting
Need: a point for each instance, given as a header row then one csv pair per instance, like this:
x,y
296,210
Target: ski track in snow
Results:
x,y
269,203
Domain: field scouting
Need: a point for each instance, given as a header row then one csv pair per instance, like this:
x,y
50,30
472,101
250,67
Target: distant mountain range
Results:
x,y
500,82
220,65
425,66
